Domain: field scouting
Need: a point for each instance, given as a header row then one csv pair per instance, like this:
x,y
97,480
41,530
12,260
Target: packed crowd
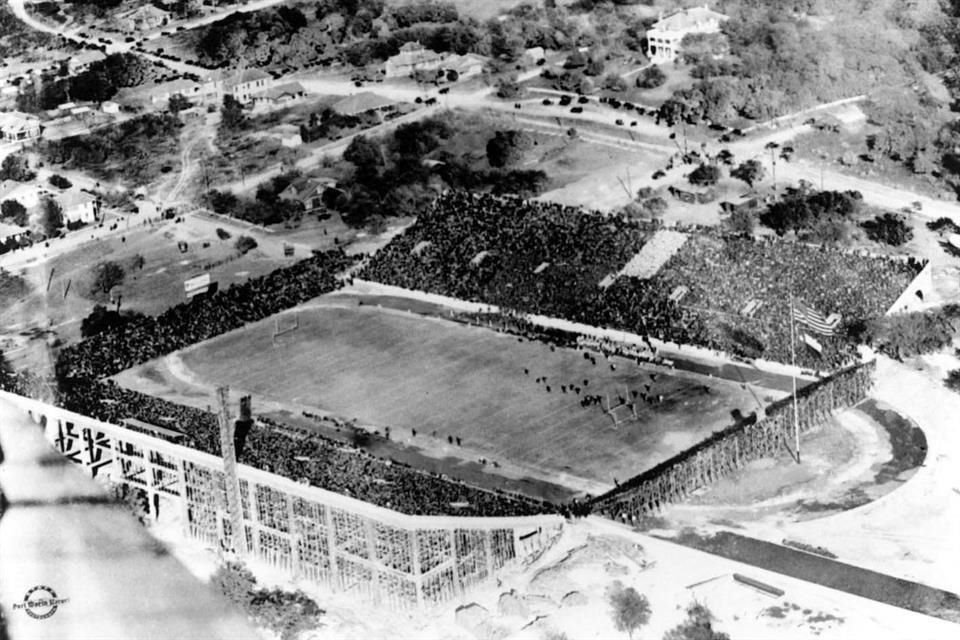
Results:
x,y
725,274
332,465
547,259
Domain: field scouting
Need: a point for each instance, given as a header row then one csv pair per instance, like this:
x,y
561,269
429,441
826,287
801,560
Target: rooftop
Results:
x,y
17,120
361,103
687,19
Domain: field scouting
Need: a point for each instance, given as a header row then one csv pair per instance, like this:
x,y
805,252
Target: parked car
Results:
x,y
547,102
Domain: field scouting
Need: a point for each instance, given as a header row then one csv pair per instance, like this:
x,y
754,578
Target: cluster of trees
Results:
x,y
771,59
17,39
905,335
266,208
133,150
102,319
889,228
99,82
106,276
284,613
804,210
13,212
390,177
16,167
506,148
327,123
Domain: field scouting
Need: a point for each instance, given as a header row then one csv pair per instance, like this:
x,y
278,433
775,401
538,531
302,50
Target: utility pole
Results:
x,y
793,373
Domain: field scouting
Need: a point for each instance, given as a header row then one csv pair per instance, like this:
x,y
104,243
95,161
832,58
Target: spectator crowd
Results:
x,y
544,258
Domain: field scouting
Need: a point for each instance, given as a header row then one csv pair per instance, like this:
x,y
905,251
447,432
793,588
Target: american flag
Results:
x,y
809,316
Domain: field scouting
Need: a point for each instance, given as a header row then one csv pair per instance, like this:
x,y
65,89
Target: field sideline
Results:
x,y
391,368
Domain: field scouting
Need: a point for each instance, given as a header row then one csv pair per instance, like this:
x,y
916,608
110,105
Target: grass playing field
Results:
x,y
389,368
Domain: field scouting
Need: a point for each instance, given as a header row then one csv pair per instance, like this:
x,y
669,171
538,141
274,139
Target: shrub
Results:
x,y
223,234
651,78
245,244
952,381
890,228
706,175
60,182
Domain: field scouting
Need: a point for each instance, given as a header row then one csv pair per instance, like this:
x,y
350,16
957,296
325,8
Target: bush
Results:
x,y
223,234
706,175
651,78
507,147
952,381
613,82
245,244
107,276
890,228
60,182
15,167
750,171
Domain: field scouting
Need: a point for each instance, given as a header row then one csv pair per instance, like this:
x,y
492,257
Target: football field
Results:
x,y
508,400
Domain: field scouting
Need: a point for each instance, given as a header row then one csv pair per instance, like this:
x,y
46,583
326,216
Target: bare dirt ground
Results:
x,y
563,591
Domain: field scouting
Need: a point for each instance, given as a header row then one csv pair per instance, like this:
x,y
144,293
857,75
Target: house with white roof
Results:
x,y
248,83
16,126
663,38
79,206
413,56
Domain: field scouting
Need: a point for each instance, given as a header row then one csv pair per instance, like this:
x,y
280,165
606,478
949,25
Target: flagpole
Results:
x,y
793,362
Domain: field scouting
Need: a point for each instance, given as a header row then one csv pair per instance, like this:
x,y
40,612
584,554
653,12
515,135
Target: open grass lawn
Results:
x,y
389,368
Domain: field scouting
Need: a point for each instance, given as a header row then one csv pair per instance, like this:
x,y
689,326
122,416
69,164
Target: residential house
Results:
x,y
79,206
362,103
664,37
16,126
413,56
82,61
280,95
466,65
308,191
13,232
533,55
245,85
143,18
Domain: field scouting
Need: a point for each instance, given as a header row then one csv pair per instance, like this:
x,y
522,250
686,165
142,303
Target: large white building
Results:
x,y
16,126
663,39
413,56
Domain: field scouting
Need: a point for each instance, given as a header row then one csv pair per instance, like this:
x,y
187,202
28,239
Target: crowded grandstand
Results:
x,y
724,292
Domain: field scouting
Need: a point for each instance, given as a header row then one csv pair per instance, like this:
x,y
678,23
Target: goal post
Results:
x,y
284,324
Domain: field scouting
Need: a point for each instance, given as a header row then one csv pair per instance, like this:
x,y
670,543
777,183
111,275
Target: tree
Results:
x,y
59,181
223,234
952,381
651,77
594,67
698,626
102,319
750,171
14,212
16,167
107,275
232,114
507,147
245,244
51,216
889,228
613,82
630,609
452,75
508,89
706,175
364,153
178,103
